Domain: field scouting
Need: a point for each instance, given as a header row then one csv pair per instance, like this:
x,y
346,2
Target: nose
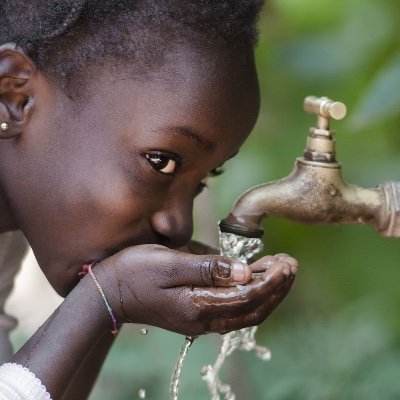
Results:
x,y
174,222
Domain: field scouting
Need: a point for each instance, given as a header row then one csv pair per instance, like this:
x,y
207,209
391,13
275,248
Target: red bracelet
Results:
x,y
87,269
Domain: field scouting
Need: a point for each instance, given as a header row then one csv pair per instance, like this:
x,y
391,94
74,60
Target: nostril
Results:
x,y
174,230
172,243
163,240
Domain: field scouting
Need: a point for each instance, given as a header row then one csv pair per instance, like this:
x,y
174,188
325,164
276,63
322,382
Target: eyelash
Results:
x,y
216,172
168,157
212,174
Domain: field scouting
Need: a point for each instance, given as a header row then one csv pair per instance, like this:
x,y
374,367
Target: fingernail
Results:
x,y
223,270
294,269
238,272
286,268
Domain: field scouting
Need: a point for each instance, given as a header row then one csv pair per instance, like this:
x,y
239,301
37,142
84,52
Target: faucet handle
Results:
x,y
321,145
325,107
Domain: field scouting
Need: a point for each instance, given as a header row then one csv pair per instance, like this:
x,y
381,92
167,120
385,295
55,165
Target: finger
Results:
x,y
263,263
270,282
267,261
192,270
226,309
282,255
254,316
265,309
281,265
222,271
173,268
229,302
294,264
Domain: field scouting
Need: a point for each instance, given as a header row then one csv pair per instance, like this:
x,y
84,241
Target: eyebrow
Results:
x,y
188,133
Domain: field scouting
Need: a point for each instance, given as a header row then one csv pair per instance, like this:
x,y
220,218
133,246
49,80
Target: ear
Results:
x,y
16,90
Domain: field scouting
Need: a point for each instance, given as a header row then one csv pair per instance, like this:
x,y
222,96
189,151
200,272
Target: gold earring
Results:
x,y
4,126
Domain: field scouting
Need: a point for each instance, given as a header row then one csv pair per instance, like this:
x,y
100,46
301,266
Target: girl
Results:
x,y
112,114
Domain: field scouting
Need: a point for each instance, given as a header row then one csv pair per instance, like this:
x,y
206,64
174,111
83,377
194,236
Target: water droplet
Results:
x,y
263,353
144,331
142,393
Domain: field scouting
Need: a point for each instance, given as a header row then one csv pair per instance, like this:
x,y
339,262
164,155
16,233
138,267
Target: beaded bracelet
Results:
x,y
87,269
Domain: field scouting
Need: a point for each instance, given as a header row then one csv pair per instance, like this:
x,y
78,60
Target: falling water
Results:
x,y
178,367
242,249
239,247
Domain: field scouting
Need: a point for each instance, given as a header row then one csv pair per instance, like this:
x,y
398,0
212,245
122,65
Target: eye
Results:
x,y
213,173
164,163
201,187
216,172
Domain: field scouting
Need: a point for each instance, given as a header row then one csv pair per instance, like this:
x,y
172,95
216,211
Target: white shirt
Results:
x,y
16,381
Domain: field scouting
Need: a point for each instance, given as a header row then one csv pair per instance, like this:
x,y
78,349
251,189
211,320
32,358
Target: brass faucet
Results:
x,y
314,192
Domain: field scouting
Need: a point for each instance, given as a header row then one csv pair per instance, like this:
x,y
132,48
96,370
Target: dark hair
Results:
x,y
63,36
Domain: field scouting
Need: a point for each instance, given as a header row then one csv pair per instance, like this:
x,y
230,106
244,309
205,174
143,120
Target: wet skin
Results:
x,y
215,302
120,166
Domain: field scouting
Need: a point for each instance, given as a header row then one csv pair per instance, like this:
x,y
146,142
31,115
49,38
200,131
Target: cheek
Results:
x,y
110,204
88,214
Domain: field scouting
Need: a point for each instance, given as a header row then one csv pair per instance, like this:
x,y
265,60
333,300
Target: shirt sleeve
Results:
x,y
18,383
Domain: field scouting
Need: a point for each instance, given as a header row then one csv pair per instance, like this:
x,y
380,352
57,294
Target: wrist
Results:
x,y
92,304
88,270
110,279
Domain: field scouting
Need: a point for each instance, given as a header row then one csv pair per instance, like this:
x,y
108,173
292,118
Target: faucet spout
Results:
x,y
315,193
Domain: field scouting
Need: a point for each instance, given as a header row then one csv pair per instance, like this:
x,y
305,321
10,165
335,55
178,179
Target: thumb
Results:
x,y
210,270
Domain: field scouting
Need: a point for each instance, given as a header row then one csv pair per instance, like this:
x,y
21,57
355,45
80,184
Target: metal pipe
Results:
x,y
314,192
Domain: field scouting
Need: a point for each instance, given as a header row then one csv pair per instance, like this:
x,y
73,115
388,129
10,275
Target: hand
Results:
x,y
272,278
192,294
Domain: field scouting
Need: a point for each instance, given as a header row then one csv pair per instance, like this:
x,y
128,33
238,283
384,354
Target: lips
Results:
x,y
71,278
149,239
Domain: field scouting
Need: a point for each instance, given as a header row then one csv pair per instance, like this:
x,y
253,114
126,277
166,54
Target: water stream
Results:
x,y
242,249
175,380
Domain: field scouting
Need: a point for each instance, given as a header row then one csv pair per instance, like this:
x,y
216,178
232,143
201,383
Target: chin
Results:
x,y
62,279
64,289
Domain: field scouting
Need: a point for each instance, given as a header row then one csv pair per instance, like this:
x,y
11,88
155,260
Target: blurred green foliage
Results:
x,y
337,335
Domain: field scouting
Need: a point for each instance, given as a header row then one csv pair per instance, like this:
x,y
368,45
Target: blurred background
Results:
x,y
337,335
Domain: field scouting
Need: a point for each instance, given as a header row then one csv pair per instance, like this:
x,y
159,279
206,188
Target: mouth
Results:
x,y
102,256
73,272
108,252
76,268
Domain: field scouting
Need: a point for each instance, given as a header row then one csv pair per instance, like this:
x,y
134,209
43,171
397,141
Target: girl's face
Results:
x,y
122,165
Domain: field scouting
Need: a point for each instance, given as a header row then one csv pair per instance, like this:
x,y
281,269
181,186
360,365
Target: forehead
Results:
x,y
215,95
215,83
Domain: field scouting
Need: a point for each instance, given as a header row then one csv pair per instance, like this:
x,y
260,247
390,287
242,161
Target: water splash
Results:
x,y
239,247
242,249
174,386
